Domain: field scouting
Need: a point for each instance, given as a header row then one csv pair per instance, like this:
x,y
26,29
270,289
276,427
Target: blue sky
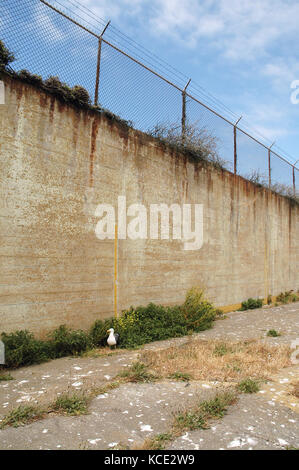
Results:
x,y
245,53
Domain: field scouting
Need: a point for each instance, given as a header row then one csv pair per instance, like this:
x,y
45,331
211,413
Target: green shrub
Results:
x,y
6,57
67,342
98,332
198,312
136,326
22,349
251,304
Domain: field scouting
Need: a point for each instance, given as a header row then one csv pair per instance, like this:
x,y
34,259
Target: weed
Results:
x,y
180,376
287,297
138,373
251,304
71,404
248,386
273,333
157,442
21,415
216,408
221,349
6,377
198,417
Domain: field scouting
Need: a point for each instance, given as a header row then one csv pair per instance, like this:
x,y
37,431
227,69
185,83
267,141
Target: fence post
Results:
x,y
235,146
294,181
269,165
96,91
184,112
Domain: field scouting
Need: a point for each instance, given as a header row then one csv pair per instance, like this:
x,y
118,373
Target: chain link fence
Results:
x,y
49,42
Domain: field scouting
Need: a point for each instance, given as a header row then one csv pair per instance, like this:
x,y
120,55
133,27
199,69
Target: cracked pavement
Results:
x,y
126,416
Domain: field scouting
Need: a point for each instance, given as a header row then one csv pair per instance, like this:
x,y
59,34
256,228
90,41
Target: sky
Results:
x,y
244,53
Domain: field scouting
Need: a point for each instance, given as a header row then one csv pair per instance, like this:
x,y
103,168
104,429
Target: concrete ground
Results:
x,y
126,416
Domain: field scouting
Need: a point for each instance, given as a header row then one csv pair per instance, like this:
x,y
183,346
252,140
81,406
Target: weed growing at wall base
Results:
x,y
136,327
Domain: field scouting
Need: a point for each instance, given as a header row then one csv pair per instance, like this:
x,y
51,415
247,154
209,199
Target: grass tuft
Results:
x,y
22,415
248,386
273,333
6,377
184,377
198,417
138,373
71,404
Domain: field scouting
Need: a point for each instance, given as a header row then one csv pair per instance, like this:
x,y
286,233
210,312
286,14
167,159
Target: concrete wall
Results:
x,y
59,163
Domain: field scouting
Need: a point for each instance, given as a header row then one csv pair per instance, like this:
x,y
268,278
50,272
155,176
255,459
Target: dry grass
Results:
x,y
218,360
100,352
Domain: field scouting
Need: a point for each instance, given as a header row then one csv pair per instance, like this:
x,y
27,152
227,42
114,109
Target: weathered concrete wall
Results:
x,y
59,163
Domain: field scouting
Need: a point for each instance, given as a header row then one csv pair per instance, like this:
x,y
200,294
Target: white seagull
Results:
x,y
112,338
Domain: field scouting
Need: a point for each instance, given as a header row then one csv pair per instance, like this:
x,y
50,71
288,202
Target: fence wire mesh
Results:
x,y
49,42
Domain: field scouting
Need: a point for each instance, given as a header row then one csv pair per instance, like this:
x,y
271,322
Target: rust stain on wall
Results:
x,y
93,146
52,108
72,284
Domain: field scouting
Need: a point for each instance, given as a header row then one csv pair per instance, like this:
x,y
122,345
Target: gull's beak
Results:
x,y
108,331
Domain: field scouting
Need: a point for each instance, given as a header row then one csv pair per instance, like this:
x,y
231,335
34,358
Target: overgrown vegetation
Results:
x,y
136,327
141,325
261,180
76,95
197,142
251,304
248,386
6,56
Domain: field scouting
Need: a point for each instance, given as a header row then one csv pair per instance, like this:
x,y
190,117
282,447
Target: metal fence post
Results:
x,y
184,112
235,145
269,164
294,181
96,91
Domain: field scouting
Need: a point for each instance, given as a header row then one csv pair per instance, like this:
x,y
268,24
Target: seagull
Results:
x,y
112,338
